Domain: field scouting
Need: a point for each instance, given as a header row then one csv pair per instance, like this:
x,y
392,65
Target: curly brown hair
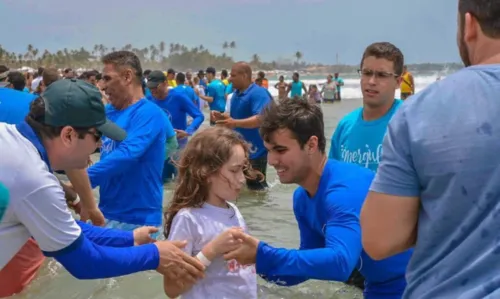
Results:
x,y
203,156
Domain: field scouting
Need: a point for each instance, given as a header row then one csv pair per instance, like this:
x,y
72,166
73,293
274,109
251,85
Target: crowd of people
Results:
x,y
405,201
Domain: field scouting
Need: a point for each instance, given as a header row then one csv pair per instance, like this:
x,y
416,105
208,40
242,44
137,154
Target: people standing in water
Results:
x,y
215,94
407,84
314,96
437,186
247,103
340,83
60,132
329,90
129,172
296,87
326,205
281,86
359,135
262,76
202,212
177,106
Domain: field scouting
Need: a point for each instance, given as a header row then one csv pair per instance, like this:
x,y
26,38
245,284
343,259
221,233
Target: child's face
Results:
x,y
228,182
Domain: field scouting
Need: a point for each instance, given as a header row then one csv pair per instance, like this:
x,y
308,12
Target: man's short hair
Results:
x,y
388,51
124,59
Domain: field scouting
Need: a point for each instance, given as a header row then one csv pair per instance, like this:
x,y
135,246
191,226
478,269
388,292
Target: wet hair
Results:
x,y
49,76
261,74
17,80
303,119
385,50
35,120
281,77
486,12
203,156
224,73
125,59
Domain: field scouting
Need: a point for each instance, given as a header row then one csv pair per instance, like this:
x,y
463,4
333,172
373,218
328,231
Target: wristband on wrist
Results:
x,y
76,201
203,259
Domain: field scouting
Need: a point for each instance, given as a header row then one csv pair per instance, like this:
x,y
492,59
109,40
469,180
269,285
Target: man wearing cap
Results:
x,y
171,78
61,130
177,105
215,94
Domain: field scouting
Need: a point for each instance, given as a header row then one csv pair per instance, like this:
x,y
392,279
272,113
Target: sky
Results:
x,y
425,30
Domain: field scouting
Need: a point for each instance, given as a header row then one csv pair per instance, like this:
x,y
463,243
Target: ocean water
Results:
x,y
351,88
269,217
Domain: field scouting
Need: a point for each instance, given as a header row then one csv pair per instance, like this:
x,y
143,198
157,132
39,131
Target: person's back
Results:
x,y
217,90
454,144
14,105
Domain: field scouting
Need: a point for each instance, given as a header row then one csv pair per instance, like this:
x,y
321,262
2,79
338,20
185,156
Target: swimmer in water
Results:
x,y
281,87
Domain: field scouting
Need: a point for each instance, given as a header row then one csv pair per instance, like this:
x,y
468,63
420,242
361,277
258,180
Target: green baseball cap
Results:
x,y
76,103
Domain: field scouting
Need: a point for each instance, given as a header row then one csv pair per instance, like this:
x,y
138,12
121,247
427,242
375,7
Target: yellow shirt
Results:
x,y
172,83
406,86
226,82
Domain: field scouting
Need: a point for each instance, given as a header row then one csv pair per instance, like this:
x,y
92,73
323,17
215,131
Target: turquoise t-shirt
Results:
x,y
296,89
4,200
358,141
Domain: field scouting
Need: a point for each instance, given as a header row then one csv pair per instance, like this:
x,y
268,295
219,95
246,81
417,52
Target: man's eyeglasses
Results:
x,y
377,74
97,135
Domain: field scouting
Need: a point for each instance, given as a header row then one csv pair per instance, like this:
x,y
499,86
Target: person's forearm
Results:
x,y
248,123
81,184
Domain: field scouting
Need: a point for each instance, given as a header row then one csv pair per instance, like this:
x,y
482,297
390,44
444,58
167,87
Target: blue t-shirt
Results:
x,y
14,105
296,89
358,141
188,90
229,88
4,200
247,104
130,172
442,146
330,237
340,81
178,106
217,90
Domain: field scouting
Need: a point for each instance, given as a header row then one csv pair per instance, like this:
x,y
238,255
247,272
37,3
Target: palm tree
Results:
x,y
298,56
225,46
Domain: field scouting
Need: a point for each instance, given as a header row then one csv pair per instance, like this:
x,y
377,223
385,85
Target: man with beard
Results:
x,y
326,205
439,177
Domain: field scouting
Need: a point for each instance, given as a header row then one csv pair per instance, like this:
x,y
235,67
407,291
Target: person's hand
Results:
x,y
228,123
181,134
246,253
224,242
176,265
216,115
142,235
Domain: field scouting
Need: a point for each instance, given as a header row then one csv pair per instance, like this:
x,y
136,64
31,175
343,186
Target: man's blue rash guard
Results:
x,y
129,172
95,254
177,106
330,238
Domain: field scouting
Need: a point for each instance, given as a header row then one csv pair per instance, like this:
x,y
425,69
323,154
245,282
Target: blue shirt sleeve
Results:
x,y
147,127
210,90
87,260
107,236
190,108
259,102
396,174
335,261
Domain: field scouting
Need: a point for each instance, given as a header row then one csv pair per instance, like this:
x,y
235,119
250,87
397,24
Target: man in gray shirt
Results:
x,y
438,185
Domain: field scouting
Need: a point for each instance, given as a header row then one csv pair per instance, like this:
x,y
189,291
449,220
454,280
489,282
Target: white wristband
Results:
x,y
76,201
203,259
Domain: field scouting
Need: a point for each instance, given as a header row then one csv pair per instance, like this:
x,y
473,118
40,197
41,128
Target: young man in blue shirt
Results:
x,y
326,205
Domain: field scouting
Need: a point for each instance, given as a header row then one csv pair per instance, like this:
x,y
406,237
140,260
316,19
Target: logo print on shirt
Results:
x,y
168,114
253,149
364,157
108,145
